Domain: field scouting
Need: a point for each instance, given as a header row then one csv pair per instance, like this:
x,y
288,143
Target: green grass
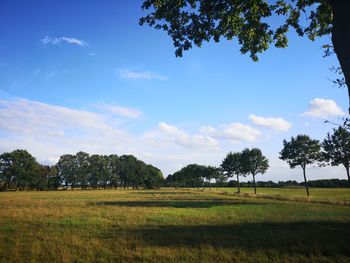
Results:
x,y
170,226
316,194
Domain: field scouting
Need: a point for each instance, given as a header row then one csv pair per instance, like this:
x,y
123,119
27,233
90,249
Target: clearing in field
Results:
x,y
168,225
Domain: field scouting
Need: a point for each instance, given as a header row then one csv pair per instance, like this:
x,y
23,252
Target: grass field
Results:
x,y
169,225
321,194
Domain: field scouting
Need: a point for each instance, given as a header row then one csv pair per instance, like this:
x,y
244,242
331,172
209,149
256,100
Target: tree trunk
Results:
x,y
239,188
254,184
341,37
306,185
347,172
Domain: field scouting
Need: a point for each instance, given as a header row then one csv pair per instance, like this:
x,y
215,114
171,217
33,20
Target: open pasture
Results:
x,y
168,225
316,194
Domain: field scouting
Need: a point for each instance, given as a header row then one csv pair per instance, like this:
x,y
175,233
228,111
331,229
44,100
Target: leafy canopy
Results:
x,y
232,164
337,147
254,162
301,150
252,22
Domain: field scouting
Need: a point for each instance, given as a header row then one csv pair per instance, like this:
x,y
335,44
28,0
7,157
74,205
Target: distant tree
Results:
x,y
193,175
114,170
232,165
82,162
153,177
301,151
254,162
209,173
68,170
192,22
97,165
54,180
19,169
336,148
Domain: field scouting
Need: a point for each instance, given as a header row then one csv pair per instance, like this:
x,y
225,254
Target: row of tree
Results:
x,y
20,170
299,151
249,161
320,183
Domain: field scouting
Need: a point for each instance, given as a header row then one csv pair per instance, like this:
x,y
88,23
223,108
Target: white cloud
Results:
x,y
36,118
235,132
189,141
48,131
118,110
323,108
139,75
277,124
59,40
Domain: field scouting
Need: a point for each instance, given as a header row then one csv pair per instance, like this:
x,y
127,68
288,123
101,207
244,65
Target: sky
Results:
x,y
84,76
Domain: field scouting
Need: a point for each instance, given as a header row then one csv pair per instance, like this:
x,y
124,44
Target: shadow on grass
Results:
x,y
183,203
325,239
150,192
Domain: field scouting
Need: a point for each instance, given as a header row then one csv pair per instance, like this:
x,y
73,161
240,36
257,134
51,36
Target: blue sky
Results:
x,y
83,75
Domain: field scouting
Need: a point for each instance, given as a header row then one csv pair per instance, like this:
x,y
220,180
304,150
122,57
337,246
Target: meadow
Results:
x,y
170,225
330,195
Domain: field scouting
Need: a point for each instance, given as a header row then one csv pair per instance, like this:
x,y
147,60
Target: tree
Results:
x,y
18,169
82,161
67,168
301,151
210,172
254,162
191,22
232,165
336,148
114,168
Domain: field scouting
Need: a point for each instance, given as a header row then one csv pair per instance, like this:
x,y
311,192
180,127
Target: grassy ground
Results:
x,y
168,226
322,194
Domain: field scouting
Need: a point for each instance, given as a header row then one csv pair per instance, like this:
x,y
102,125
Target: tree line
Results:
x,y
299,151
249,161
19,170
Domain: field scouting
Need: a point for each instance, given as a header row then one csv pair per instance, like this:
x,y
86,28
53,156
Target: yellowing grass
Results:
x,y
168,225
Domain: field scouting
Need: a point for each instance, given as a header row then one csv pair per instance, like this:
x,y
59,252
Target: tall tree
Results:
x,y
191,22
336,148
301,151
232,165
254,162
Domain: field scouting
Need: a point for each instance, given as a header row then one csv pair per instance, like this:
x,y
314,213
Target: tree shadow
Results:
x,y
150,192
326,239
181,203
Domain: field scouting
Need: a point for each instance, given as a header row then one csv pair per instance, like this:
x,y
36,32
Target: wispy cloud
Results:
x,y
32,117
323,108
139,75
92,54
49,75
60,40
118,110
276,124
